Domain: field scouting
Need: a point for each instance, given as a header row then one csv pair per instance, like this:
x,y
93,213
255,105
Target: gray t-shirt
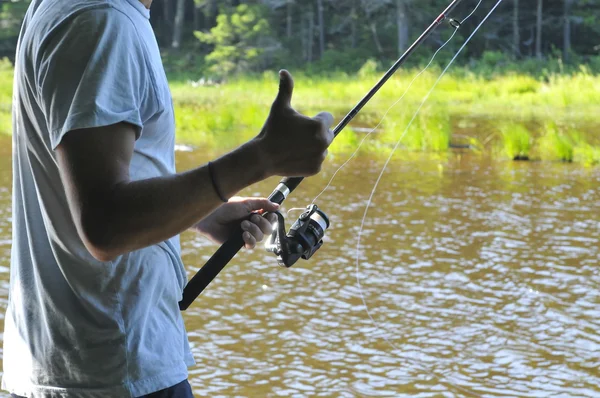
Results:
x,y
77,327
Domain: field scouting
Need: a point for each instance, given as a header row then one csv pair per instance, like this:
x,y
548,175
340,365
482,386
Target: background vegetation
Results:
x,y
526,86
210,37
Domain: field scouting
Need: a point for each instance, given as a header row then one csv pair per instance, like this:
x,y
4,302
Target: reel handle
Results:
x,y
229,249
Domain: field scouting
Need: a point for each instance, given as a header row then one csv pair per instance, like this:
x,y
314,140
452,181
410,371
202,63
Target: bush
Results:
x,y
555,144
516,141
5,65
242,41
368,69
594,64
333,61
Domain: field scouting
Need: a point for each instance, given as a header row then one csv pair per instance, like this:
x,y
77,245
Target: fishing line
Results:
x,y
456,28
370,200
385,114
287,253
472,12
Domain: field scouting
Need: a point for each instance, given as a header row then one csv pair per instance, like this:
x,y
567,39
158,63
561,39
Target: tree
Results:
x,y
515,29
538,36
402,22
567,29
321,27
240,40
11,15
309,34
178,26
289,21
345,33
370,7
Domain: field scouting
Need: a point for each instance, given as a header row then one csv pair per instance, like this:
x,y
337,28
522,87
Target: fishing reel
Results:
x,y
302,241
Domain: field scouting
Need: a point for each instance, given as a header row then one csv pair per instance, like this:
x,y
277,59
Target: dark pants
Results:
x,y
181,390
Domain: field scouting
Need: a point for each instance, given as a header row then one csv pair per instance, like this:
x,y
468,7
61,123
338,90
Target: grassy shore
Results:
x,y
515,116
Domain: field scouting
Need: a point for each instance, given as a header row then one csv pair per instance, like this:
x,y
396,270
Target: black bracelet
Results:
x,y
214,183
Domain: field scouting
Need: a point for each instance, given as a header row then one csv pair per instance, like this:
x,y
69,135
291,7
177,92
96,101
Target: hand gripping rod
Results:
x,y
229,249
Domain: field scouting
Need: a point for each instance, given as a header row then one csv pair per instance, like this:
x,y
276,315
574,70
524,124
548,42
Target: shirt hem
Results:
x,y
130,390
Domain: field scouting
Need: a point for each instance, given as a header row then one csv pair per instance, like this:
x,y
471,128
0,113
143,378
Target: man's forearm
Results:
x,y
114,215
141,213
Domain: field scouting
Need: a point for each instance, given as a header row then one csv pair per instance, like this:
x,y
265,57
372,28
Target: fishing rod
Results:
x,y
306,234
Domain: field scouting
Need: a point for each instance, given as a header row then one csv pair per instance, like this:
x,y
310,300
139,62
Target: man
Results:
x,y
96,273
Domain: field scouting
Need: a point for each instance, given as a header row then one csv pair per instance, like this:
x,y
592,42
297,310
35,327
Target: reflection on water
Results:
x,y
482,278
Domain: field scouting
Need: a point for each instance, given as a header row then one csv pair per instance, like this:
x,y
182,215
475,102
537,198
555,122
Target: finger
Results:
x,y
272,218
326,118
249,241
262,223
286,89
253,229
264,204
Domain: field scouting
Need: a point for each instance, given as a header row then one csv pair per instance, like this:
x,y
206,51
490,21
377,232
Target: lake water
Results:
x,y
481,279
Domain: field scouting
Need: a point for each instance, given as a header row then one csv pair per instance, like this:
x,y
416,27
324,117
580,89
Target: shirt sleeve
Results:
x,y
92,72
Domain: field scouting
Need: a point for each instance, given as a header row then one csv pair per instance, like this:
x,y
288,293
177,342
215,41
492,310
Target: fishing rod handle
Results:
x,y
211,269
229,249
287,185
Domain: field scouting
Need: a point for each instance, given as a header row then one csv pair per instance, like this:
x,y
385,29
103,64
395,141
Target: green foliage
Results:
x,y
238,41
516,141
6,81
334,62
345,142
11,15
369,69
583,152
586,154
594,64
6,65
430,131
555,144
184,64
222,116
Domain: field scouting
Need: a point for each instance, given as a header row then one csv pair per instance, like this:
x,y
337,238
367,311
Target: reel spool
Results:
x,y
302,241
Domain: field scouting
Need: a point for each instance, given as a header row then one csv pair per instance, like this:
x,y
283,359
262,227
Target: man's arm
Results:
x,y
115,215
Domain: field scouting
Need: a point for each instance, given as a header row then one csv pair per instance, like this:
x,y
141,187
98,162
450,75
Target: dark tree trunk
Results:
x,y
310,35
515,29
353,20
178,26
402,22
567,30
198,17
168,19
211,14
321,27
289,19
373,26
538,36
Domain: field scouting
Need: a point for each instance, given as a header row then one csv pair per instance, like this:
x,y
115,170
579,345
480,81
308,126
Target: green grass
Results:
x,y
6,85
586,154
567,144
225,115
555,144
430,130
235,110
516,141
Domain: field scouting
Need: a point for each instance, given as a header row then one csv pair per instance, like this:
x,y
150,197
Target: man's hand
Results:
x,y
225,220
293,145
115,215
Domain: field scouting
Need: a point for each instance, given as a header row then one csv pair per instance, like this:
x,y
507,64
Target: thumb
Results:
x,y
286,88
326,118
